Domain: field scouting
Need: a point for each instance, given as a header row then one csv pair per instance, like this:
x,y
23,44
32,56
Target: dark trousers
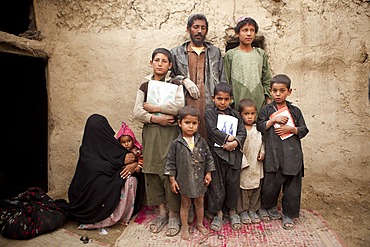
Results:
x,y
223,191
291,187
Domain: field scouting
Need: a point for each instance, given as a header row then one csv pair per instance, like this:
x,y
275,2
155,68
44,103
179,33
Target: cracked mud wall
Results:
x,y
100,52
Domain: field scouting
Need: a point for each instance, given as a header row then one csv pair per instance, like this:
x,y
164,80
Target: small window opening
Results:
x,y
18,17
259,41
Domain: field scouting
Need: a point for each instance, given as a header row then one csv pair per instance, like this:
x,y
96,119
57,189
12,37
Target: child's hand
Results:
x,y
129,158
175,188
141,161
151,108
230,138
207,179
280,119
164,120
283,129
136,152
230,146
261,156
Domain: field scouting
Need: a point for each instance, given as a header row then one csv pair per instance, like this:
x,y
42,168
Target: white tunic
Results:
x,y
252,169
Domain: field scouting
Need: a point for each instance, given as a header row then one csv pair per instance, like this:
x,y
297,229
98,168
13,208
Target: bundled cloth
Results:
x,y
30,214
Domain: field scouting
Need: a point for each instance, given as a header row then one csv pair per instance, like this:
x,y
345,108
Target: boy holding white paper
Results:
x,y
226,136
283,126
156,107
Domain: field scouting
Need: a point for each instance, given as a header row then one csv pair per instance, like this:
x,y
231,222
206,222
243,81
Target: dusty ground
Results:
x,y
347,214
113,232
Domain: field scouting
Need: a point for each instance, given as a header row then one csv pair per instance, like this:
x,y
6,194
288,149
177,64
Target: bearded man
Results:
x,y
201,64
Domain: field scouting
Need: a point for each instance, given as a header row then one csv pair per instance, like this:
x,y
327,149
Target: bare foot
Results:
x,y
203,230
185,234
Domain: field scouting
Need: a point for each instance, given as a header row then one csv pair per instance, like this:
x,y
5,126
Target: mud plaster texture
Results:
x,y
98,53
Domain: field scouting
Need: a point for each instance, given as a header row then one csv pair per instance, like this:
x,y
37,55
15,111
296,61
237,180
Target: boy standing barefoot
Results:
x,y
189,166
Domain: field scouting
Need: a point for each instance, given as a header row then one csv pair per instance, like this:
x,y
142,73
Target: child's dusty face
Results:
x,y
222,100
126,142
161,64
249,115
189,125
247,34
280,92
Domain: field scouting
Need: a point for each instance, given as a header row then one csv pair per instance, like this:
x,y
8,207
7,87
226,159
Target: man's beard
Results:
x,y
197,42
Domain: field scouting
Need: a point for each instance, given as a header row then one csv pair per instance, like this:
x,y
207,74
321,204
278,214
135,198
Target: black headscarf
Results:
x,y
95,189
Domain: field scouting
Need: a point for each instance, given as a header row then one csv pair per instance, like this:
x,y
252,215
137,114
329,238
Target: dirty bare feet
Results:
x,y
202,229
185,233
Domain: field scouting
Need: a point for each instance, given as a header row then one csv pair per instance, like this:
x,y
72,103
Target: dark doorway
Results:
x,y
16,16
25,120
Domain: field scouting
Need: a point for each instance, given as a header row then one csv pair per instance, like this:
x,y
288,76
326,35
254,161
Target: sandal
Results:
x,y
173,227
158,224
244,218
235,222
288,223
216,224
264,215
274,213
254,217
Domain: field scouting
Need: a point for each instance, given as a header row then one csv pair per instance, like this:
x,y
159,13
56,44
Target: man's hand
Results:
x,y
192,88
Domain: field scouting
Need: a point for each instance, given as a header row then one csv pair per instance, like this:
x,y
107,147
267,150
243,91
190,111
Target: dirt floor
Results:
x,y
347,215
114,232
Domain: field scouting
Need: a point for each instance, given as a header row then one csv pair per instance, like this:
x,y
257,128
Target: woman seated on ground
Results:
x,y
107,181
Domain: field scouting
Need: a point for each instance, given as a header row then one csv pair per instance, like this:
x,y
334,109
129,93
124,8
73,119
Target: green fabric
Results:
x,y
156,143
249,74
158,191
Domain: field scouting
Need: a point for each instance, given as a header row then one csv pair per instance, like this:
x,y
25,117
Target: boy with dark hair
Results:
x,y
251,175
226,136
159,130
283,126
246,67
189,166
